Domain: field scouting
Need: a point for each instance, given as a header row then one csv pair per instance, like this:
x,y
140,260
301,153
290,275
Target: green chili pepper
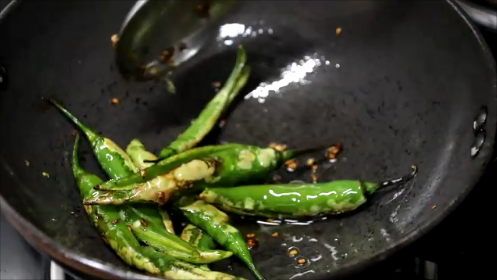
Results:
x,y
212,112
228,167
291,200
107,220
197,237
164,166
117,164
171,244
174,269
116,233
138,154
215,223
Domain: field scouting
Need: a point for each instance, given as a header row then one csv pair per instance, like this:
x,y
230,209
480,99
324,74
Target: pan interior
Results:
x,y
400,85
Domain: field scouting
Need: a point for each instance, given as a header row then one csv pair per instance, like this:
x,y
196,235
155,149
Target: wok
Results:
x,y
402,84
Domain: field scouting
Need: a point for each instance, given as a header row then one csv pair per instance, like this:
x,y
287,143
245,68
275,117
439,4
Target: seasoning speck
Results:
x,y
338,31
310,162
113,40
277,147
115,221
292,252
275,234
250,235
216,84
222,123
143,173
333,151
291,165
251,243
114,101
276,178
45,174
26,162
314,178
143,222
433,207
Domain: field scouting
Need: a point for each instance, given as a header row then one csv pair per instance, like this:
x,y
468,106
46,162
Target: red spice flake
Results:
x,y
301,260
277,147
251,243
333,151
291,165
166,55
143,222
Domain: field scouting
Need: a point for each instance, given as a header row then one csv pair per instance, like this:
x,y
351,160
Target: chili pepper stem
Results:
x,y
370,188
92,136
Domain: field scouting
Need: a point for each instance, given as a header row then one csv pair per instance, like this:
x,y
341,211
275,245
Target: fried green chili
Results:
x,y
197,238
171,244
107,221
110,223
228,167
171,268
215,223
164,166
292,200
138,154
209,116
114,161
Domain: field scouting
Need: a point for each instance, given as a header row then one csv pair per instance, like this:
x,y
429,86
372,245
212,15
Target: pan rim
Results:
x,y
90,267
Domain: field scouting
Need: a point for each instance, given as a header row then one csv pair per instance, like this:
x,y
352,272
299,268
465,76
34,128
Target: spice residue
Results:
x,y
45,174
114,101
113,40
291,165
338,31
293,251
277,147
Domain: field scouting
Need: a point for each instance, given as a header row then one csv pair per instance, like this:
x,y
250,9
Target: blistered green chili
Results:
x,y
171,244
209,116
215,223
139,155
172,268
106,219
296,200
228,167
114,161
197,237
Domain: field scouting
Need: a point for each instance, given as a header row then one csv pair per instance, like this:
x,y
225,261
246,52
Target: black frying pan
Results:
x,y
402,84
